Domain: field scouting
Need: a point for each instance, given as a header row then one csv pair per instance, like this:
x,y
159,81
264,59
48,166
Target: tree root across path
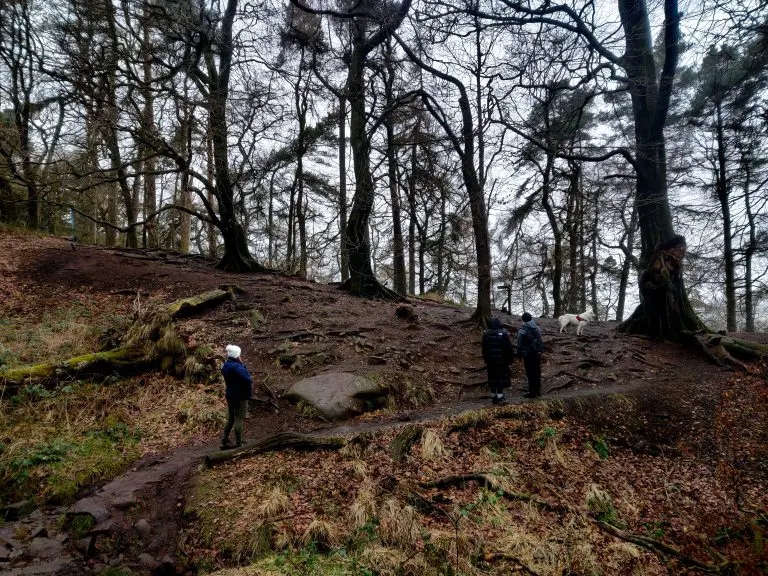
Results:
x,y
150,342
280,441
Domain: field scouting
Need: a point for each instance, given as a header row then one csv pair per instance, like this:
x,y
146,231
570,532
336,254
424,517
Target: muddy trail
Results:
x,y
321,329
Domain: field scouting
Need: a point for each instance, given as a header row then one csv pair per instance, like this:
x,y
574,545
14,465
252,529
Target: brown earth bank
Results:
x,y
677,444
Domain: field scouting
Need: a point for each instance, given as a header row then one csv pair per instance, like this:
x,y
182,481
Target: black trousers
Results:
x,y
533,373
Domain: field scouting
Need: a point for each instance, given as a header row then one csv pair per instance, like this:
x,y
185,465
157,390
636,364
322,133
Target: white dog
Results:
x,y
578,320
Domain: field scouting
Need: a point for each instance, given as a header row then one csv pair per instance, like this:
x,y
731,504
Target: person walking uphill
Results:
x,y
530,347
497,353
238,381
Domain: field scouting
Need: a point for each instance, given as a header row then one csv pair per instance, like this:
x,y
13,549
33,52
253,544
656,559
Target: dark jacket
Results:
x,y
237,379
497,353
529,339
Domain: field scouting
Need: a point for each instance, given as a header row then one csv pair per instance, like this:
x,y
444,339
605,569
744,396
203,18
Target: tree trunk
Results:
x,y
664,311
343,187
362,281
626,266
749,309
211,235
593,256
300,101
723,194
572,225
398,257
150,183
237,256
557,233
412,215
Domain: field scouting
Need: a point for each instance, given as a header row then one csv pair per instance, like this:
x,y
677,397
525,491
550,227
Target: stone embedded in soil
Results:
x,y
86,546
125,501
148,561
143,528
335,395
38,531
103,527
44,548
90,507
18,510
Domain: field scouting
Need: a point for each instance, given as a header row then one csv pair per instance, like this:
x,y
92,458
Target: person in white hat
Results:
x,y
239,382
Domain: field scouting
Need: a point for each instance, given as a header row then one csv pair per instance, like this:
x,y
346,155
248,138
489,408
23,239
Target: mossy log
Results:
x,y
200,302
280,441
123,360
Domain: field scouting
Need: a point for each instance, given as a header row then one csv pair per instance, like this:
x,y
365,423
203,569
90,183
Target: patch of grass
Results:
x,y
546,434
54,443
600,446
80,525
60,333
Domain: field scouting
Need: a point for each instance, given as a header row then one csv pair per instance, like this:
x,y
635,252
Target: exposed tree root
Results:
x,y
519,565
491,483
662,549
280,441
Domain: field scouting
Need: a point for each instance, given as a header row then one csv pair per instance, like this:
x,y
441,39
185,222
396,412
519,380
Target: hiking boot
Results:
x,y
225,445
239,443
501,399
531,395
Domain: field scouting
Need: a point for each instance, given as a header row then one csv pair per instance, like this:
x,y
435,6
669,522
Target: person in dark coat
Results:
x,y
238,381
497,353
530,347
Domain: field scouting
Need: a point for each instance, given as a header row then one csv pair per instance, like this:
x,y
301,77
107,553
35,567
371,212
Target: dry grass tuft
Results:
x,y
399,525
321,533
432,447
360,468
363,509
275,504
600,504
469,420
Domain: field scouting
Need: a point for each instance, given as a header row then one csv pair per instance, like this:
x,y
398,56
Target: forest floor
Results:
x,y
635,439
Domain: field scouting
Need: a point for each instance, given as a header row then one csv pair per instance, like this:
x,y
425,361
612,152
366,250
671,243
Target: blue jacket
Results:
x,y
238,380
529,339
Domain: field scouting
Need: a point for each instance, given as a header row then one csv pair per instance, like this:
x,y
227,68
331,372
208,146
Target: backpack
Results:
x,y
532,340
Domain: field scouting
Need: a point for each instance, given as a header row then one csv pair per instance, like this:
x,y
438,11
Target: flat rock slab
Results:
x,y
46,568
44,548
335,395
91,507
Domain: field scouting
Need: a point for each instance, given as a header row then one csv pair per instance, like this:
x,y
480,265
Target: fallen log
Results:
x,y
280,441
149,342
124,360
194,304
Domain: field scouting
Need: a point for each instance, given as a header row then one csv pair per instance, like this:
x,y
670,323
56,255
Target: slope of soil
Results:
x,y
673,404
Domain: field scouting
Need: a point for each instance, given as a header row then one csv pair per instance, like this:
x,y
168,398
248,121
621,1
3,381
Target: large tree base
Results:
x,y
664,311
237,263
371,288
